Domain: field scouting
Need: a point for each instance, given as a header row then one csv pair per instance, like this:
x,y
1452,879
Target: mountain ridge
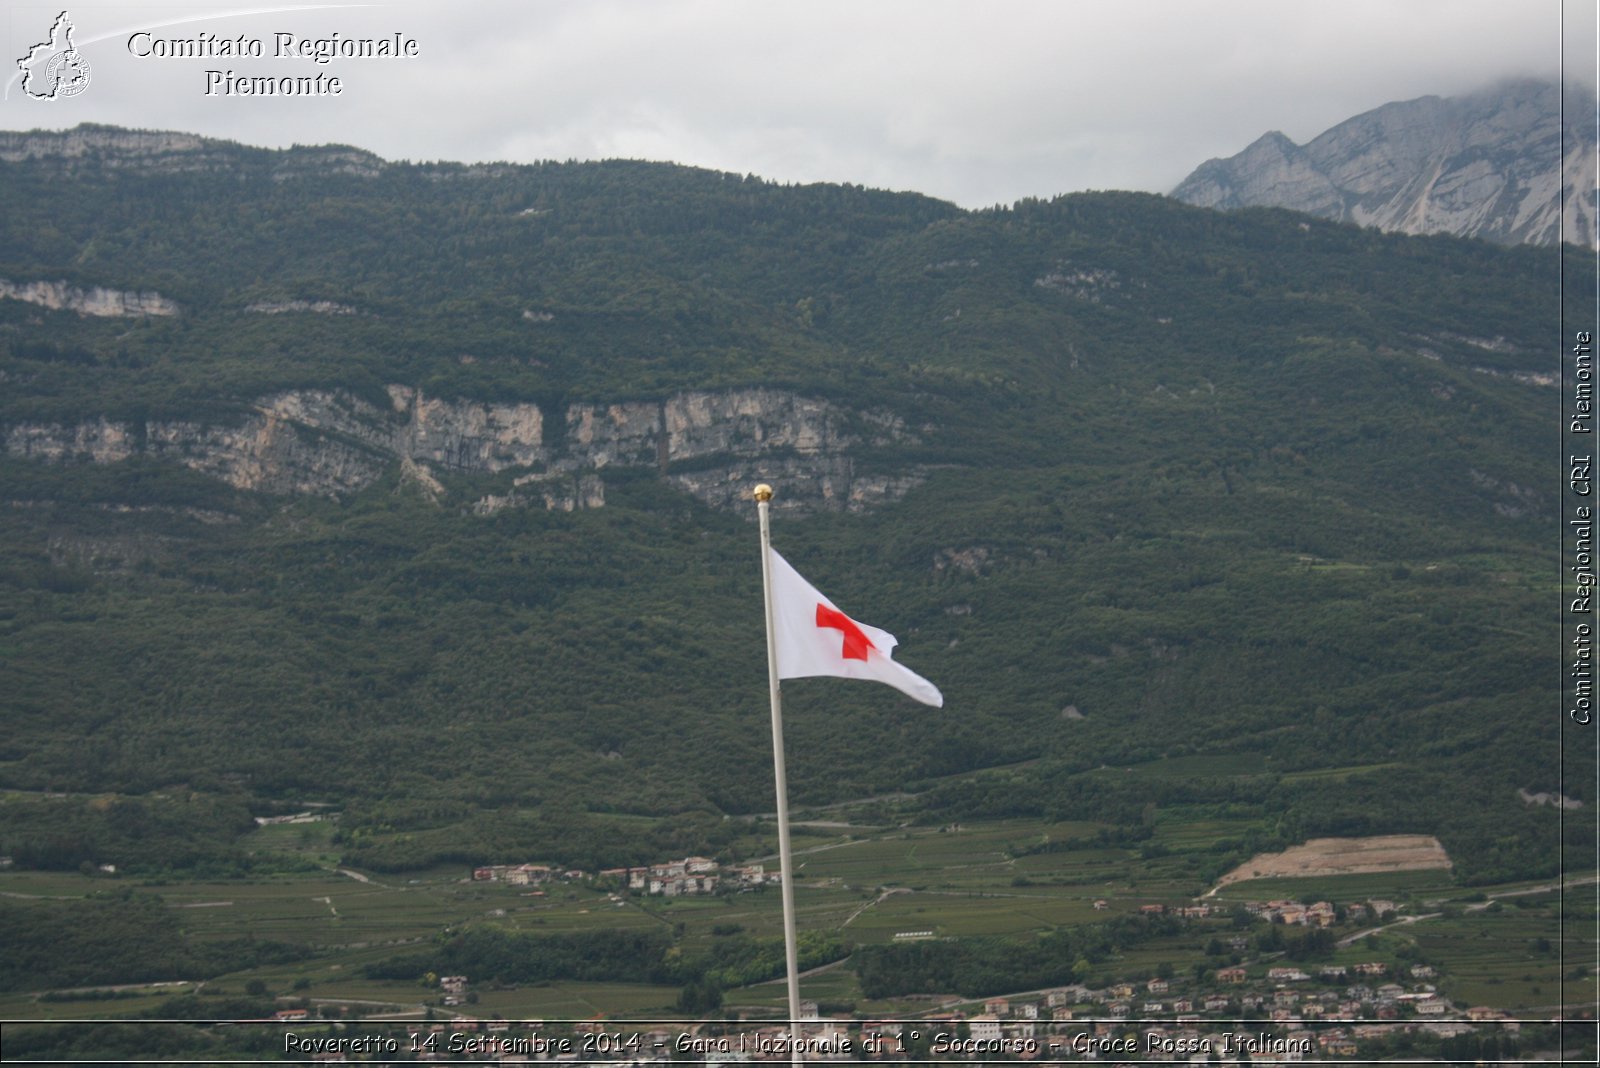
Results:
x,y
1500,164
1220,483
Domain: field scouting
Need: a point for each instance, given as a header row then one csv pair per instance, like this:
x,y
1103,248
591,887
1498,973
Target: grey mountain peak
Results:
x,y
1514,164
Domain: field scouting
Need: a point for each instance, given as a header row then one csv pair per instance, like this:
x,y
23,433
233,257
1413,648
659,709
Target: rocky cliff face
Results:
x,y
317,307
96,301
713,445
117,146
163,152
1493,165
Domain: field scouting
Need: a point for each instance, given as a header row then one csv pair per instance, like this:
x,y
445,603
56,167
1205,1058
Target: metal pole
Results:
x,y
763,494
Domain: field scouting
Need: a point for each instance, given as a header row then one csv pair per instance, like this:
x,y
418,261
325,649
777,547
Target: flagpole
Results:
x,y
763,494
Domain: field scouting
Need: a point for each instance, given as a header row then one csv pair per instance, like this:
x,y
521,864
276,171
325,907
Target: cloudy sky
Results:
x,y
979,103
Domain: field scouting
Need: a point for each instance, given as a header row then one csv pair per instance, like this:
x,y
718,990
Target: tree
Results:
x,y
700,997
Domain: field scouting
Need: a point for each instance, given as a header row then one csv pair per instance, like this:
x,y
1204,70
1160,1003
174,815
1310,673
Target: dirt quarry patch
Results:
x,y
1343,856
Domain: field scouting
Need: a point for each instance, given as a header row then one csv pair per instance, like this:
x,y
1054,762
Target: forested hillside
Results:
x,y
1129,480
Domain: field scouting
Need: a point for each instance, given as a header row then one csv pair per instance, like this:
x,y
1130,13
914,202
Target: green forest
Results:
x,y
1189,484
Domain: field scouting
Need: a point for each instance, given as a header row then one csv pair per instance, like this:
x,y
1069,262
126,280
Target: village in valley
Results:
x,y
1246,1013
691,875
1260,1008
1110,958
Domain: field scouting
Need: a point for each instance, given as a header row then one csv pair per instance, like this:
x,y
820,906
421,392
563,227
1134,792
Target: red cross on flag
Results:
x,y
812,637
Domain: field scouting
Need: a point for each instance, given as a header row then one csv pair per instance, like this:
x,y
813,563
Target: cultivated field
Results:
x,y
1343,856
870,884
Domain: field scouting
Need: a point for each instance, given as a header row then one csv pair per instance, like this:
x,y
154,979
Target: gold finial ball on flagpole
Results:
x,y
763,492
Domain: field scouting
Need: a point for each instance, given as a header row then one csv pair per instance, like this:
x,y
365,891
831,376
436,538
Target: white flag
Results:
x,y
813,637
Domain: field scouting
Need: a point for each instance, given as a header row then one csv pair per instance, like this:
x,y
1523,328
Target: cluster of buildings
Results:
x,y
1318,913
1188,912
1274,996
691,875
1077,1023
1297,1013
524,874
1040,1028
455,989
1293,1014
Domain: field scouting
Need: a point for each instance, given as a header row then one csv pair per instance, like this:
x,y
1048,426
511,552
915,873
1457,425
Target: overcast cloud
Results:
x,y
975,103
